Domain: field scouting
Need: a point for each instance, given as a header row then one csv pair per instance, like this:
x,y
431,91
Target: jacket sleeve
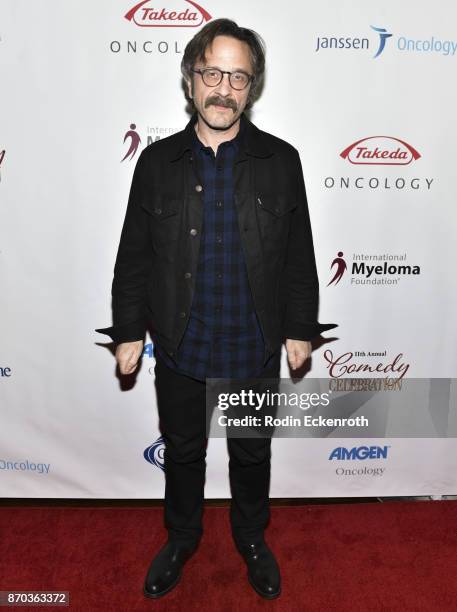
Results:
x,y
132,267
300,274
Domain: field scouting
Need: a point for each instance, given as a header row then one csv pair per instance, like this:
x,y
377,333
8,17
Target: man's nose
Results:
x,y
224,88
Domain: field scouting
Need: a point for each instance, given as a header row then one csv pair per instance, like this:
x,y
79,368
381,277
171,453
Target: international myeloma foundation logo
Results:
x,y
380,151
2,157
135,140
146,15
370,269
340,268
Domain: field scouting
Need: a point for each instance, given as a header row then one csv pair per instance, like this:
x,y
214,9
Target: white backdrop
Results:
x,y
74,76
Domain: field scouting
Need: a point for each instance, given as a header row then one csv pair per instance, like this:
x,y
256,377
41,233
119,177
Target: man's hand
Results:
x,y
128,354
298,351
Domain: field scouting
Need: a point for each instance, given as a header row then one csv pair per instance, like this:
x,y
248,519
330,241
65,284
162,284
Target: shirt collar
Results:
x,y
237,141
249,138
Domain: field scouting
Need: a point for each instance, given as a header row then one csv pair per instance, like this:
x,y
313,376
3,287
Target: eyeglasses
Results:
x,y
213,76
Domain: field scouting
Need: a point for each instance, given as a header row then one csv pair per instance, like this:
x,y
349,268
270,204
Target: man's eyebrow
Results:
x,y
235,70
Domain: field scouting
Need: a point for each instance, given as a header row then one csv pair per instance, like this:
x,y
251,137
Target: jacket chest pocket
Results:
x,y
274,213
163,219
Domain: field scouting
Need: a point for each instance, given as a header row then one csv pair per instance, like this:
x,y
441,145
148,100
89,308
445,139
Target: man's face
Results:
x,y
221,106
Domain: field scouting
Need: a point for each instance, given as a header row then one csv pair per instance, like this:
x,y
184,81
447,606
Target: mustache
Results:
x,y
226,102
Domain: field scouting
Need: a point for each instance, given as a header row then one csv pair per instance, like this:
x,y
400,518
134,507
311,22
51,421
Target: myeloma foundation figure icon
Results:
x,y
2,155
341,268
134,142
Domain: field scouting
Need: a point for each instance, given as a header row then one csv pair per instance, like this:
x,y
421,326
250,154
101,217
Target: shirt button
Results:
x,y
193,232
219,275
218,238
187,275
198,188
182,315
219,204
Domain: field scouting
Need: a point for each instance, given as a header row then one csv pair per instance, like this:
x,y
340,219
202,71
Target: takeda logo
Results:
x,y
381,151
148,15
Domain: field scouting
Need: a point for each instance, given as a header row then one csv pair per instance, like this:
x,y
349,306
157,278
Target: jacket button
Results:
x,y
277,209
182,315
193,232
198,188
158,211
187,275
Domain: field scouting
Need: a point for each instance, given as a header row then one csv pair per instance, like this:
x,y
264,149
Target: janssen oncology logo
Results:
x,y
373,151
148,14
379,43
154,453
373,269
351,42
360,453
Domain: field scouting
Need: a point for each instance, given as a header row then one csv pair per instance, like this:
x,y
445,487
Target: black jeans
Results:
x,y
181,404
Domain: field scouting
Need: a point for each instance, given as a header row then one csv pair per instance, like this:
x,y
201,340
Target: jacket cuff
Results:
x,y
130,332
306,331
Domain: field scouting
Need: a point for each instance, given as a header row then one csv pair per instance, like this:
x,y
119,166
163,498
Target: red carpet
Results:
x,y
372,557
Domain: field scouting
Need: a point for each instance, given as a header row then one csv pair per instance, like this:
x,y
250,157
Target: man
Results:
x,y
216,253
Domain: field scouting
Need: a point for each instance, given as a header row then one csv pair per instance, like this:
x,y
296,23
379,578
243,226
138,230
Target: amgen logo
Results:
x,y
359,452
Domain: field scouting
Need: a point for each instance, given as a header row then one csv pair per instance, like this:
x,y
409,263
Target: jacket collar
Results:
x,y
253,142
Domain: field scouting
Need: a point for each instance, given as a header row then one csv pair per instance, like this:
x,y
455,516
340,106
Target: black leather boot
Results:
x,y
263,569
166,568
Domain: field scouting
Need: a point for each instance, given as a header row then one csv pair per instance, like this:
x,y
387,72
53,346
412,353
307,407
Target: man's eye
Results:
x,y
212,74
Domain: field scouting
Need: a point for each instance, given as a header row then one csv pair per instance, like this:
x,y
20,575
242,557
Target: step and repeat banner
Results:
x,y
367,93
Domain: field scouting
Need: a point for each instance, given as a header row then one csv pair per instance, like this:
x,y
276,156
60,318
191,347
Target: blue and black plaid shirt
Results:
x,y
223,338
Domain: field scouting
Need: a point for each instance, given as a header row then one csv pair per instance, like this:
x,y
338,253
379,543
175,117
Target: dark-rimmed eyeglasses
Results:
x,y
213,76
